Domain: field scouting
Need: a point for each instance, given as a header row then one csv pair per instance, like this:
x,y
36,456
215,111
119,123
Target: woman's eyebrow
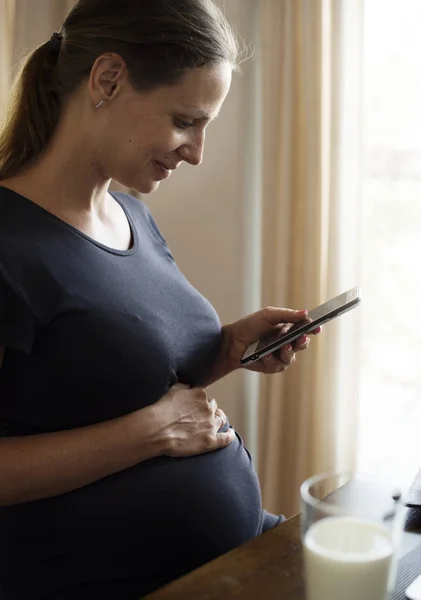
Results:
x,y
205,116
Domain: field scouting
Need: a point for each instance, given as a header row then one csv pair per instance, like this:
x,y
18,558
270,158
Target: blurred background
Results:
x,y
310,184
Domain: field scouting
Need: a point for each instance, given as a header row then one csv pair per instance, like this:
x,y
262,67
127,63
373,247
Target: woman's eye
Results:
x,y
180,124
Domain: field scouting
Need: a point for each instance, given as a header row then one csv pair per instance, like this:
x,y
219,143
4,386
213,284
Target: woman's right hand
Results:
x,y
189,422
182,423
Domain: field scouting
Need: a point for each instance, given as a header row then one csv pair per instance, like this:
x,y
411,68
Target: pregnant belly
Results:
x,y
154,521
209,501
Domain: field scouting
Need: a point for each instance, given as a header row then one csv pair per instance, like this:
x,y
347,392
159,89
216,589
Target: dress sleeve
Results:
x,y
17,322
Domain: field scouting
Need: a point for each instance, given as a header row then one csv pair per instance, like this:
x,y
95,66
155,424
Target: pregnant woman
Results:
x,y
117,472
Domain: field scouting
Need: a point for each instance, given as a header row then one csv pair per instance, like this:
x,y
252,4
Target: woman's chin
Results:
x,y
148,188
141,187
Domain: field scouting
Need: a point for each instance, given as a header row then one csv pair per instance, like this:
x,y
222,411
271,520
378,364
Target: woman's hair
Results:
x,y
159,40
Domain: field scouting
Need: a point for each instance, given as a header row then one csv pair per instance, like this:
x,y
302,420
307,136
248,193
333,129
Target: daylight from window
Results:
x,y
390,392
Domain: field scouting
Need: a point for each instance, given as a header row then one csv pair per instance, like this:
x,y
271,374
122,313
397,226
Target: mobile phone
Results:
x,y
316,317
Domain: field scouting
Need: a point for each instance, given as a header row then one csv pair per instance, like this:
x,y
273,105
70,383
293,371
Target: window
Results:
x,y
390,414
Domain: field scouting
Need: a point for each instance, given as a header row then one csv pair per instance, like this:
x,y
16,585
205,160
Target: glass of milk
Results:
x,y
350,528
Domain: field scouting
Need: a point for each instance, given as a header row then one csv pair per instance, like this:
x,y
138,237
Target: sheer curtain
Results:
x,y
7,18
309,55
25,24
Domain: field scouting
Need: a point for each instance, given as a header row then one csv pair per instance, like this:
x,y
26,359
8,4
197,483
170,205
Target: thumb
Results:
x,y
225,438
274,316
180,386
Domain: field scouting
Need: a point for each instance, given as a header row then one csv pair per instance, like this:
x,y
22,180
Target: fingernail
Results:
x,y
288,348
302,312
268,358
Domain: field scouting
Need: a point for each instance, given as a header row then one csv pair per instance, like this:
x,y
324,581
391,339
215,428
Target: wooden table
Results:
x,y
267,568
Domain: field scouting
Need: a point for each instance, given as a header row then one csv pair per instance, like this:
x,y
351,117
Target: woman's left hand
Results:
x,y
240,334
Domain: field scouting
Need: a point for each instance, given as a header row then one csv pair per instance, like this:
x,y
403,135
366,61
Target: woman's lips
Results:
x,y
161,171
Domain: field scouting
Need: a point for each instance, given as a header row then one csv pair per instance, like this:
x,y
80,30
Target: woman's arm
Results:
x,y
182,423
39,466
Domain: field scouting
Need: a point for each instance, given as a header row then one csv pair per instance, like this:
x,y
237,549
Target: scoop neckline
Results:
x,y
75,230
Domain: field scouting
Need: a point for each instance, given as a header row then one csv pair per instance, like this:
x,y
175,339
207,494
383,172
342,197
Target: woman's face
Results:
x,y
140,138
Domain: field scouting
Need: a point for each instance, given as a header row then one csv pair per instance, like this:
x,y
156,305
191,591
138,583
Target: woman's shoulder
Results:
x,y
8,200
14,211
140,214
132,203
136,208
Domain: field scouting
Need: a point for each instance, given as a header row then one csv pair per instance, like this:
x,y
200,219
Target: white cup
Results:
x,y
350,528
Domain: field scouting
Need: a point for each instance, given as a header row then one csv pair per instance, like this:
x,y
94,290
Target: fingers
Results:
x,y
213,404
302,343
221,419
279,361
287,355
273,364
194,422
222,438
218,414
225,438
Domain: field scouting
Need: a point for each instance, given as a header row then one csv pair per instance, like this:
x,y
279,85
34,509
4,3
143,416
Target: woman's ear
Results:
x,y
107,74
